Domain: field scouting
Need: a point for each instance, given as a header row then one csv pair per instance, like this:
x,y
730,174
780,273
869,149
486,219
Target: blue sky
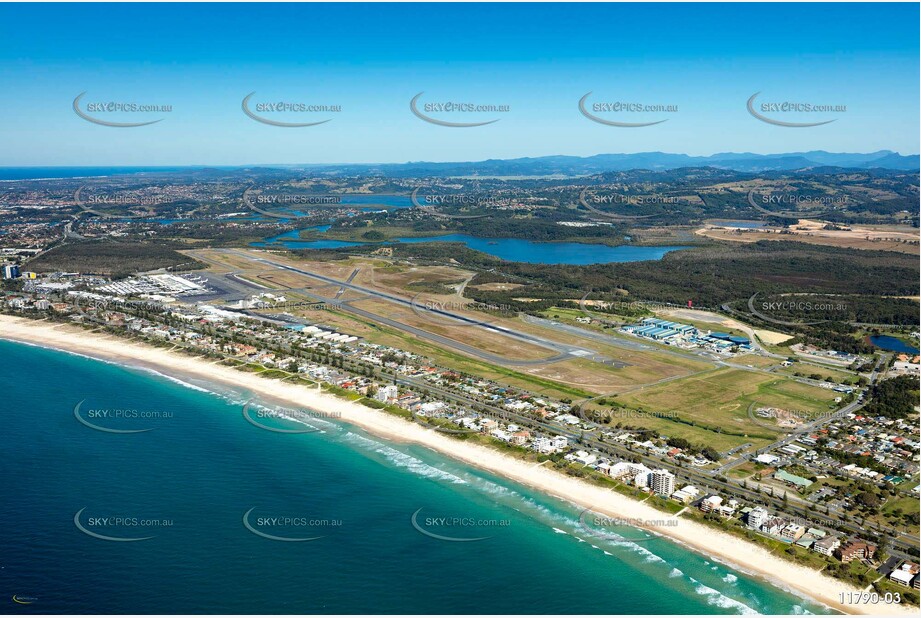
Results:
x,y
371,59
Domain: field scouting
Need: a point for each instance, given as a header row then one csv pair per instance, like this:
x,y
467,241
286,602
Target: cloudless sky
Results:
x,y
371,59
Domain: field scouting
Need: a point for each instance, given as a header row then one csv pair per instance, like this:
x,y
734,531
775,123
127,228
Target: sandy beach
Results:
x,y
729,549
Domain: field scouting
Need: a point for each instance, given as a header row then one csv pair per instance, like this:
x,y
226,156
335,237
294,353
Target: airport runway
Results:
x,y
563,351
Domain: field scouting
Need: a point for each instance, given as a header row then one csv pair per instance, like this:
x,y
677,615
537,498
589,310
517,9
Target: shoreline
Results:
x,y
732,551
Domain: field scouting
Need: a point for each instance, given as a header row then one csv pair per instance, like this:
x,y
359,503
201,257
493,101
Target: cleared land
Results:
x,y
721,398
878,238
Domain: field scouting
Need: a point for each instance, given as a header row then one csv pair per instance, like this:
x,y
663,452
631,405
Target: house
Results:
x,y
806,540
501,434
826,546
904,574
488,424
711,503
773,525
583,457
543,445
519,438
685,494
812,535
623,469
792,531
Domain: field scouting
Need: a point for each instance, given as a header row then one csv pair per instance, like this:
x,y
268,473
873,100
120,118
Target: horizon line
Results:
x,y
421,161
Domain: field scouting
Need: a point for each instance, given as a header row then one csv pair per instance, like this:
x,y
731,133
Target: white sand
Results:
x,y
732,550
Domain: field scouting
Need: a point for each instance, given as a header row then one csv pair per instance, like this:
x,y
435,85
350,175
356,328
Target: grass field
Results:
x,y
384,335
721,398
756,360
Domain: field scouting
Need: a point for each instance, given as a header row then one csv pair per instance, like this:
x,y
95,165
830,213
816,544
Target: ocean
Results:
x,y
203,509
45,173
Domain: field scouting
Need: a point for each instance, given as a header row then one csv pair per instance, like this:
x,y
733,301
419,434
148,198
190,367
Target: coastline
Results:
x,y
731,550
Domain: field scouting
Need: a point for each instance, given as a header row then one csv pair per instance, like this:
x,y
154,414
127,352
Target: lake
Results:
x,y
892,344
511,249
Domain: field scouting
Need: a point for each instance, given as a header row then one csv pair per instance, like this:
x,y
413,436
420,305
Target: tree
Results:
x,y
867,499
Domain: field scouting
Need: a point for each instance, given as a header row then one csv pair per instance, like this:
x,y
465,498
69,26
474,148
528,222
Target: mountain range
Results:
x,y
579,166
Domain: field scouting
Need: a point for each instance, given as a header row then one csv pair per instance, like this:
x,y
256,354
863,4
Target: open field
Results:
x,y
771,338
808,369
720,441
754,360
722,397
879,238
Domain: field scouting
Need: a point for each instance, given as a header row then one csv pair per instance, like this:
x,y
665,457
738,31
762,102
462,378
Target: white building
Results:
x,y
386,393
903,575
756,517
629,469
662,482
584,457
711,503
686,494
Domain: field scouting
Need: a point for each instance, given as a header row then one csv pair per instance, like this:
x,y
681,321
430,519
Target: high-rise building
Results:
x,y
662,482
10,271
757,517
386,393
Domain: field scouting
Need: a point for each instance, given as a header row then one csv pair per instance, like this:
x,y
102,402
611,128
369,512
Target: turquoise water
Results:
x,y
511,249
203,466
892,344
